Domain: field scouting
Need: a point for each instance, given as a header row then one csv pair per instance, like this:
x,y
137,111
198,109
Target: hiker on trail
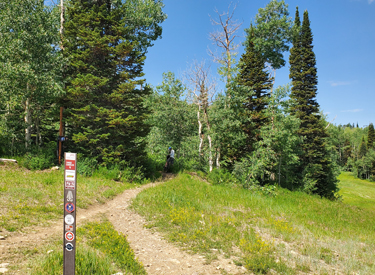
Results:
x,y
171,155
170,160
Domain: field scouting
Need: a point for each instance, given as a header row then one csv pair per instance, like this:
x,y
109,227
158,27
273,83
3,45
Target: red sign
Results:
x,y
68,227
70,165
69,236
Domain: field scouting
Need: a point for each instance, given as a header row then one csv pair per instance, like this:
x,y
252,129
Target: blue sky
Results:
x,y
344,45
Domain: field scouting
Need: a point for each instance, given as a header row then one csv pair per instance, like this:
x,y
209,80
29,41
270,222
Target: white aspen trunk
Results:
x,y
210,162
218,158
38,138
200,133
28,122
61,22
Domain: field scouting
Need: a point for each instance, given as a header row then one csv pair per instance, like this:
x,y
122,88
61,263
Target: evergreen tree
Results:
x,y
362,148
105,42
371,136
316,166
255,84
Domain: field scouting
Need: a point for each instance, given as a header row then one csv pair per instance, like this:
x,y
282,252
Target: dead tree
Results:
x,y
224,38
202,89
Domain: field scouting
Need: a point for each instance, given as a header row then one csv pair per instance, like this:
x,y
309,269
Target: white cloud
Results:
x,y
370,1
352,111
340,83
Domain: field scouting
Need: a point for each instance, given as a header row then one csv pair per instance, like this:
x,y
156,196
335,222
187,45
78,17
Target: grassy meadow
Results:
x,y
357,192
278,232
287,232
33,198
102,251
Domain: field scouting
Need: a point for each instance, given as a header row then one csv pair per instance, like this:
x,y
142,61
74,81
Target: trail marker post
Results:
x,y
70,195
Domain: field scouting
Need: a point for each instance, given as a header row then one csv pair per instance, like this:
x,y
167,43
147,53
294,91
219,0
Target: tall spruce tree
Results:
x,y
255,83
315,165
105,42
371,136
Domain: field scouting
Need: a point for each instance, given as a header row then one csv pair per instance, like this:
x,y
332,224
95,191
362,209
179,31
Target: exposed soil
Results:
x,y
158,255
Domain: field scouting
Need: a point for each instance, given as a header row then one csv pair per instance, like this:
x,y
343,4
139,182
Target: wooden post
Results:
x,y
70,210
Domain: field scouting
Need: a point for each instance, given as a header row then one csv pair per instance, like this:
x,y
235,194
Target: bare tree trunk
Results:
x,y
200,134
28,122
61,23
210,161
218,158
38,138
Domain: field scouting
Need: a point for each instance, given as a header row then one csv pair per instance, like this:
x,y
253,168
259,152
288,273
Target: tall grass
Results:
x,y
36,197
205,217
100,250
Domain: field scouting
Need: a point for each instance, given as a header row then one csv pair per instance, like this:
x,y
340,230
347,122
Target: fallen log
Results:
x,y
8,160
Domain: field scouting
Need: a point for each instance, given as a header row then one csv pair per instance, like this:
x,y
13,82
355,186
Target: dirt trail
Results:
x,y
157,255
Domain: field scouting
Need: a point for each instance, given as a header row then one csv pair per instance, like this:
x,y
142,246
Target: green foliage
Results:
x,y
371,136
253,77
318,173
174,124
221,177
30,71
40,158
275,157
272,32
86,166
106,47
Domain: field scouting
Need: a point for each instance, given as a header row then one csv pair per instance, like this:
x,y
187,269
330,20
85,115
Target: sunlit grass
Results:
x,y
357,192
101,250
207,218
36,197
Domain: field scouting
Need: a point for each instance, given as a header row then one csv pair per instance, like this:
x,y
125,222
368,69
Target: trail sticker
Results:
x,y
70,156
69,196
69,219
68,227
69,207
70,165
69,236
69,247
70,185
70,175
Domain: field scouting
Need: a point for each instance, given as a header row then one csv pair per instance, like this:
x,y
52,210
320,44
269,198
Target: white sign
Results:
x,y
69,185
70,175
70,156
69,197
69,219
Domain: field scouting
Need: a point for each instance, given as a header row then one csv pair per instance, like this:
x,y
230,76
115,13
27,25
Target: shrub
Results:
x,y
40,158
221,176
86,166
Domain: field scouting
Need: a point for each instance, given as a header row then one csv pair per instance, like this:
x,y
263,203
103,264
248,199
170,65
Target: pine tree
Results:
x,y
362,148
106,51
315,166
371,136
255,82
